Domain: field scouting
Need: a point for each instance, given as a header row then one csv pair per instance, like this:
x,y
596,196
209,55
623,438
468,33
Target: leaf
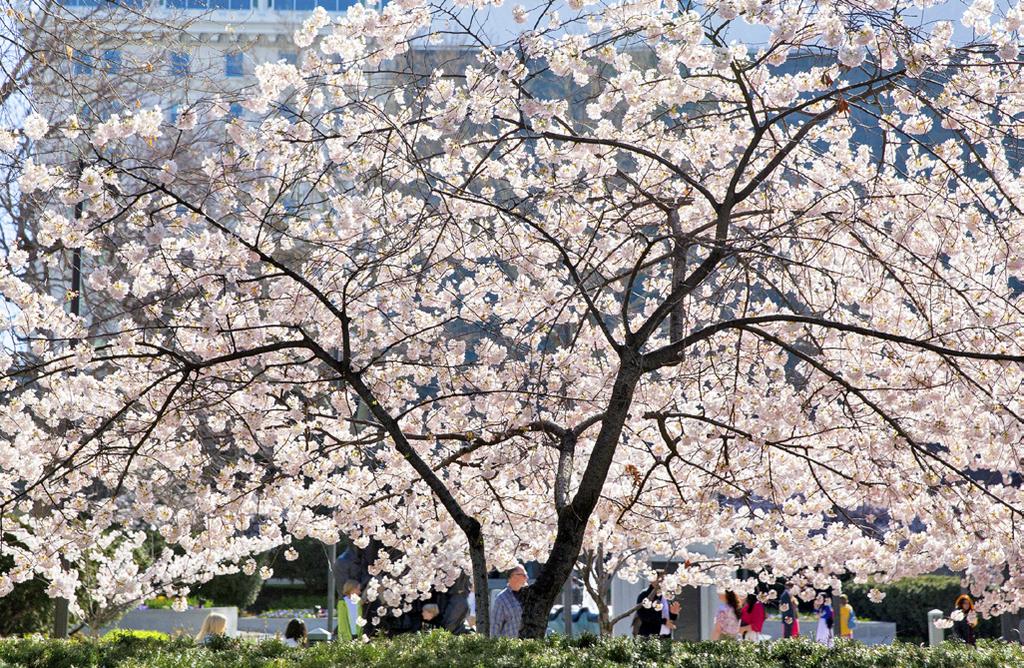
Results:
x,y
843,106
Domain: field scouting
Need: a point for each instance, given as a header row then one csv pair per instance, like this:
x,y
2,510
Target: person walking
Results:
x,y
727,620
965,621
350,611
752,618
847,618
826,620
507,611
788,608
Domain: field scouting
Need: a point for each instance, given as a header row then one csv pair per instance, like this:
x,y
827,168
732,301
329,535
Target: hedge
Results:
x,y
907,602
237,589
441,650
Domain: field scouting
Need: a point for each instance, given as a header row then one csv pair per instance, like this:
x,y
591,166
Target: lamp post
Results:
x,y
331,585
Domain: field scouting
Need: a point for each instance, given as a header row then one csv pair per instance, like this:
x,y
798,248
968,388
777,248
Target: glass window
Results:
x,y
233,65
209,4
309,5
96,3
235,110
179,64
112,61
81,62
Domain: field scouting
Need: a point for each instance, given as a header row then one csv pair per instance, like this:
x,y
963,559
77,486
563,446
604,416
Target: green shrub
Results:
x,y
27,609
237,589
165,603
310,567
441,650
275,597
118,635
907,602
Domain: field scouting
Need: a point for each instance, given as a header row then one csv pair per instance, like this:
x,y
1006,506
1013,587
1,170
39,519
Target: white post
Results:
x,y
332,584
708,610
935,634
567,606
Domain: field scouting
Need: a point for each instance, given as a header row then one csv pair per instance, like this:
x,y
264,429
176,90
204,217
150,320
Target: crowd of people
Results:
x,y
656,615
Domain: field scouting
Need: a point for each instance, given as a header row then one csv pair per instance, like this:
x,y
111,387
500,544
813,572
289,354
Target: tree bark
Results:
x,y
572,520
481,590
677,317
469,525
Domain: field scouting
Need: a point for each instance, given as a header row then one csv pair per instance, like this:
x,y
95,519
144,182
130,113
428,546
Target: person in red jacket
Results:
x,y
752,618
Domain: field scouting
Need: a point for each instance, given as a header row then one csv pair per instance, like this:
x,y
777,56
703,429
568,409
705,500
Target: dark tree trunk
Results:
x,y
478,558
677,317
470,526
572,520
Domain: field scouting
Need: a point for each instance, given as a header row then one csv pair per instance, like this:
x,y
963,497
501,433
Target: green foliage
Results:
x,y
288,598
165,603
441,650
119,635
908,601
310,568
27,609
236,589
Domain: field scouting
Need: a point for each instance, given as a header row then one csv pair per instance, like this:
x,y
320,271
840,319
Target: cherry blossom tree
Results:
x,y
61,65
622,280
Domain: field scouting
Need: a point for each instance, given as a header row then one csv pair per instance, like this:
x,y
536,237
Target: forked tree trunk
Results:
x,y
573,518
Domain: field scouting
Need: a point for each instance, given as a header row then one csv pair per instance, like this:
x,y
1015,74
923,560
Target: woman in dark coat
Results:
x,y
964,628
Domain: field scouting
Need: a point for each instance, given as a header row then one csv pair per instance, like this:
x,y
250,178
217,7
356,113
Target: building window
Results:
x,y
137,4
112,61
209,4
233,66
235,110
179,64
81,62
309,5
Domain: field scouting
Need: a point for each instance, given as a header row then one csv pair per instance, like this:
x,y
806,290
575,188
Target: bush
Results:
x,y
27,609
276,597
311,566
165,603
442,650
237,589
907,602
120,635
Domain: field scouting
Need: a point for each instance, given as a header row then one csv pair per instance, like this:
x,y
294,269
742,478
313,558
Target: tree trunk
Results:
x,y
572,520
604,616
470,526
677,317
478,558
